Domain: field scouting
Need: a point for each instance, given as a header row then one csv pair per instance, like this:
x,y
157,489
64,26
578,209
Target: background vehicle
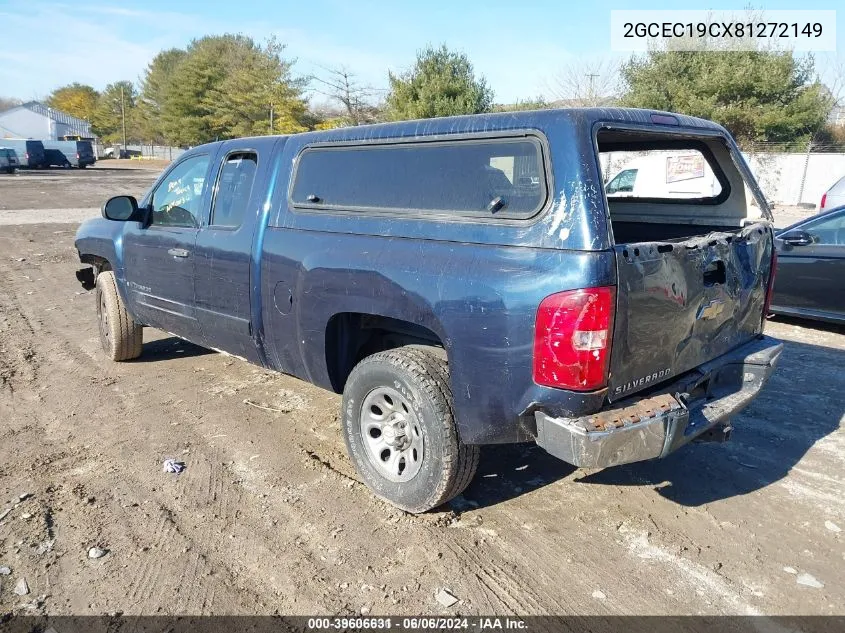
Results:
x,y
833,197
30,153
116,152
662,174
810,279
69,153
461,281
8,160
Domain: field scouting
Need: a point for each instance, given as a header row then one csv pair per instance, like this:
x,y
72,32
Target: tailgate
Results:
x,y
683,303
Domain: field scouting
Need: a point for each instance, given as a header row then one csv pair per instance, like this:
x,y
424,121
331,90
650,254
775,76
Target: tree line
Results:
x,y
230,85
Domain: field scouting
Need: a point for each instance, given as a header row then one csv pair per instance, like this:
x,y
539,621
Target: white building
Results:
x,y
37,121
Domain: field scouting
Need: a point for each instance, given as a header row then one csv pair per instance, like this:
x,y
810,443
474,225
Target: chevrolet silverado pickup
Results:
x,y
463,281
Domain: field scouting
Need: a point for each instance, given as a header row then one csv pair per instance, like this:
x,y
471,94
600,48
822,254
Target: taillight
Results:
x,y
77,155
26,155
770,290
824,199
572,337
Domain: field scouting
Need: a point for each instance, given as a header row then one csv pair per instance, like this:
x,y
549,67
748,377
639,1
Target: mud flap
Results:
x,y
86,277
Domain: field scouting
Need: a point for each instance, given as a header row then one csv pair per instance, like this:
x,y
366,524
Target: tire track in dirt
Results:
x,y
18,361
308,537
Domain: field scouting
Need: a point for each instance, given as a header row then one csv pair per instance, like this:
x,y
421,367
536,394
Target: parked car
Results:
x,y
810,279
833,197
30,153
69,153
461,281
8,160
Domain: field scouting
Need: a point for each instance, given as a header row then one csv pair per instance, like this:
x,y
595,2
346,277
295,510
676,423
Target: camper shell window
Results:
x,y
501,178
671,185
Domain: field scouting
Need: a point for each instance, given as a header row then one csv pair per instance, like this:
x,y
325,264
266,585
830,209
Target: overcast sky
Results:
x,y
517,45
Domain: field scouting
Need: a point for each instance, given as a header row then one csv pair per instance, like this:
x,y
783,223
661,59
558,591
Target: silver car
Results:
x,y
833,197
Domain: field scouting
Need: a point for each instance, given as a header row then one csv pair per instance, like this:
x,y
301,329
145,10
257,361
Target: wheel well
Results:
x,y
99,263
88,276
352,336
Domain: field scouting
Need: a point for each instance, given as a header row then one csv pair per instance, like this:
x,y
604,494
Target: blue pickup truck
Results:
x,y
462,281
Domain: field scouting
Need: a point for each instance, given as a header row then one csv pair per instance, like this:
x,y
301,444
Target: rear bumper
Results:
x,y
638,429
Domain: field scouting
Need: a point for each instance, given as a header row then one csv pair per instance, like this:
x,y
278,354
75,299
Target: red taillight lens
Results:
x,y
572,338
770,290
824,199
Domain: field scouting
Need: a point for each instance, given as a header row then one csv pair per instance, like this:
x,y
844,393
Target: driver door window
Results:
x,y
177,200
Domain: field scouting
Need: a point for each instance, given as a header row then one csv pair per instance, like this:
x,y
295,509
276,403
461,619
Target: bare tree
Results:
x,y
586,83
7,103
342,86
832,72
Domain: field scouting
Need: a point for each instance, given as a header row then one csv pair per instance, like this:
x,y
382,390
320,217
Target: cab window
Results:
x,y
177,200
234,187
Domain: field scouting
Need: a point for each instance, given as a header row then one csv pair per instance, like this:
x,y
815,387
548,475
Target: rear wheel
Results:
x,y
121,338
400,430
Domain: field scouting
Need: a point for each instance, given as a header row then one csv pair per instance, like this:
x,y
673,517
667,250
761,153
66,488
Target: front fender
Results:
x,y
101,239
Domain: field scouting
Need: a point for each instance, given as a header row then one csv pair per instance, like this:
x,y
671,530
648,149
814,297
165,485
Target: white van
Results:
x,y
665,174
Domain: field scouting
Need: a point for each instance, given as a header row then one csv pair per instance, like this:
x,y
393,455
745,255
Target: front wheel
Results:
x,y
121,338
400,430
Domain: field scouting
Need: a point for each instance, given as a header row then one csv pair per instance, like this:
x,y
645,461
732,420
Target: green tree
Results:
x,y
441,83
184,118
116,104
224,87
757,95
155,86
75,99
257,95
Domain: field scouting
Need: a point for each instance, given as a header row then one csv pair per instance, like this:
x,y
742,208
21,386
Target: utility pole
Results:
x,y
123,116
804,175
271,119
591,96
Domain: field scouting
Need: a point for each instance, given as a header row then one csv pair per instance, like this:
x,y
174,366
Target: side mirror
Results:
x,y
797,238
122,209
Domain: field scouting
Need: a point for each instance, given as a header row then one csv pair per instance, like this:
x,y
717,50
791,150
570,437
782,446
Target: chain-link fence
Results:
x,y
800,178
162,152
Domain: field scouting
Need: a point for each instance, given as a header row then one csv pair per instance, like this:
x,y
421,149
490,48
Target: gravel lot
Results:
x,y
269,516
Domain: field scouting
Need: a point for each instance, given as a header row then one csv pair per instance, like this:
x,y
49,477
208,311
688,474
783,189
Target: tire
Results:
x,y
121,338
395,402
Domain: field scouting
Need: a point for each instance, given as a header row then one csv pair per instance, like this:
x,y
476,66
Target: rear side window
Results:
x,y
501,178
234,187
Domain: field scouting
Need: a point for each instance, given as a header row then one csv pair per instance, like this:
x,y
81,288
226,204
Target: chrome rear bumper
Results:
x,y
644,428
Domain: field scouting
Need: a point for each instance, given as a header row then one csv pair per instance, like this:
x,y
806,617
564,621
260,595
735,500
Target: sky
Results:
x,y
519,46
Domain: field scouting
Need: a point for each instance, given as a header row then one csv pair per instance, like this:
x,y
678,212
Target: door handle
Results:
x,y
178,252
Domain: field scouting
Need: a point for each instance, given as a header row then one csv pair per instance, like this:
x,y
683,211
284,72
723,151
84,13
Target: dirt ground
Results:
x,y
269,516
